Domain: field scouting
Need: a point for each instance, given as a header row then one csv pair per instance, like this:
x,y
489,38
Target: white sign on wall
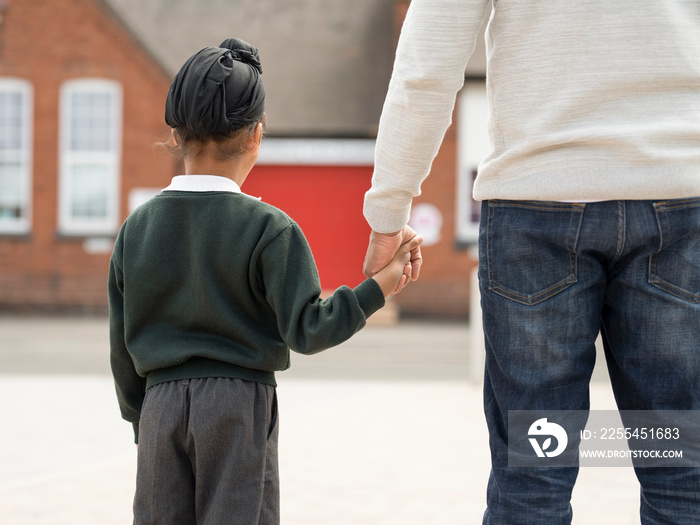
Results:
x,y
426,220
139,196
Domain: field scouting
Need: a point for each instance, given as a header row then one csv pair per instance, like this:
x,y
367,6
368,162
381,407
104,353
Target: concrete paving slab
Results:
x,y
383,431
351,452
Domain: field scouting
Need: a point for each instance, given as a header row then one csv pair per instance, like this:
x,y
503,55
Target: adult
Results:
x,y
590,215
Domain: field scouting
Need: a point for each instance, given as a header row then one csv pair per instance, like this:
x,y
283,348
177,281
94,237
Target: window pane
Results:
x,y
90,121
11,191
89,185
10,120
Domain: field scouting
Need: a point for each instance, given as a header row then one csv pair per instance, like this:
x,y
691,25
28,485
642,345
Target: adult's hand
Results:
x,y
383,246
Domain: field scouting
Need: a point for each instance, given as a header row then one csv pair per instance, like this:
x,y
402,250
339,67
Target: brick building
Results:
x,y
78,97
82,91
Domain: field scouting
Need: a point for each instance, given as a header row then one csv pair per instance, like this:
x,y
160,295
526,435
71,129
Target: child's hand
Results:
x,y
383,246
395,275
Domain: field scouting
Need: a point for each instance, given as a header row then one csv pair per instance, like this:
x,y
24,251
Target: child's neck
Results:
x,y
236,169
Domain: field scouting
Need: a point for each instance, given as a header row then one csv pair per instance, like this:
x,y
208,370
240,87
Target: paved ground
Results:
x,y
383,430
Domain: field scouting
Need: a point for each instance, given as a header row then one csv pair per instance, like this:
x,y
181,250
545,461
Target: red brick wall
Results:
x,y
443,288
48,42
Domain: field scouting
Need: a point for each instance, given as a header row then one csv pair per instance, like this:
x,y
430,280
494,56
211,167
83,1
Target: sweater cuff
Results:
x,y
384,219
369,296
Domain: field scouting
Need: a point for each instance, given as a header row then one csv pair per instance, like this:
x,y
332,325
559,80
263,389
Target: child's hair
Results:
x,y
222,146
216,101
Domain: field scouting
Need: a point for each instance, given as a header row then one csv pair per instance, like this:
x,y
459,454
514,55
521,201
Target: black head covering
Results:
x,y
217,90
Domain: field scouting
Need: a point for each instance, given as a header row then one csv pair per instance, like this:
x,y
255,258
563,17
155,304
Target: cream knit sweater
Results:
x,y
589,100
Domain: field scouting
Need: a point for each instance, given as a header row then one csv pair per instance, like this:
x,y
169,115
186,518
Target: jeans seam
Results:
x,y
663,223
573,259
675,290
536,205
620,236
670,205
489,247
549,292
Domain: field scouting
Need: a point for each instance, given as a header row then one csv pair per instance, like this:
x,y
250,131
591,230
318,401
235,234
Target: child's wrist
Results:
x,y
386,282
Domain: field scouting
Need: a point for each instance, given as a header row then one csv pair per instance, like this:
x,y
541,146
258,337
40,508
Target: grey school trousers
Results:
x,y
208,454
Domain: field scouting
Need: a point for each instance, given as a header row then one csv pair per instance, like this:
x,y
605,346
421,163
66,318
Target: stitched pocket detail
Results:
x,y
531,248
675,267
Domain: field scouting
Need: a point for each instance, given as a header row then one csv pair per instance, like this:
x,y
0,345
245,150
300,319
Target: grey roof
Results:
x,y
326,63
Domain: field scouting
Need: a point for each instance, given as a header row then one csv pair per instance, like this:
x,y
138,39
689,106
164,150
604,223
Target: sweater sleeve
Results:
x,y
307,323
436,41
131,387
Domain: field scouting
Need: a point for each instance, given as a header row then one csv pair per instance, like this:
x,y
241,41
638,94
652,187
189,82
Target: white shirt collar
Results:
x,y
202,183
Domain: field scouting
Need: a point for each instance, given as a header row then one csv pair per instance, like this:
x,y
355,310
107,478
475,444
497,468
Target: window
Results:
x,y
90,153
473,146
15,155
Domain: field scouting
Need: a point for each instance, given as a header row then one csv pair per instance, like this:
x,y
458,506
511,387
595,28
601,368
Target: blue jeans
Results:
x,y
552,276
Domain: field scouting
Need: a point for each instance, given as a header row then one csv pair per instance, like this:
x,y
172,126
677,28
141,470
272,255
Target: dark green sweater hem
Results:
x,y
201,367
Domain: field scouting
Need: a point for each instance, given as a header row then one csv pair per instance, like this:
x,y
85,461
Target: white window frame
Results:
x,y
472,146
23,224
67,223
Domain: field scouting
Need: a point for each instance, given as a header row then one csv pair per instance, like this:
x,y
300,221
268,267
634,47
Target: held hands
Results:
x,y
393,259
383,246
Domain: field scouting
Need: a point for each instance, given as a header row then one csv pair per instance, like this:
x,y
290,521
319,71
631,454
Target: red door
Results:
x,y
326,201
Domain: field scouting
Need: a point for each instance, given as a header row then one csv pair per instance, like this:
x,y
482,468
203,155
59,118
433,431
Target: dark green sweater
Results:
x,y
218,284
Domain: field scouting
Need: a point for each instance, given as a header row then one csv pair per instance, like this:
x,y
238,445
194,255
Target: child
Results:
x,y
208,290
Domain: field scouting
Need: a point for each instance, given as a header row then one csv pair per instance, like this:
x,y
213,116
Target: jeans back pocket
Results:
x,y
675,267
531,248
